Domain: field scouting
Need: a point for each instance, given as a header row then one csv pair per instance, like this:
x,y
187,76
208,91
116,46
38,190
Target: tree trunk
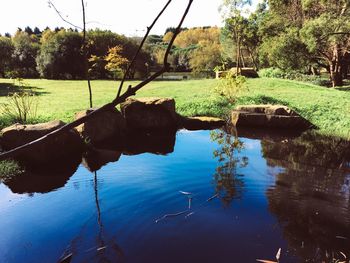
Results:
x,y
253,60
238,56
335,75
242,59
335,68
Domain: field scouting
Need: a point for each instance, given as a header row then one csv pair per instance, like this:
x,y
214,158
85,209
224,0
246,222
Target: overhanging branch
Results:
x,y
118,99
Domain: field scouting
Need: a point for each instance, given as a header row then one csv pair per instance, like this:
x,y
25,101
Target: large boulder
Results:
x,y
268,116
150,114
52,149
201,123
103,126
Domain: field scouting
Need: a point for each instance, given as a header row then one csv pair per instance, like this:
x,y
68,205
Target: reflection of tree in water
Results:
x,y
311,196
229,183
103,249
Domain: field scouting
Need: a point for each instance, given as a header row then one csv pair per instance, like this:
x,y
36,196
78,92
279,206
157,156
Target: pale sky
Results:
x,y
128,17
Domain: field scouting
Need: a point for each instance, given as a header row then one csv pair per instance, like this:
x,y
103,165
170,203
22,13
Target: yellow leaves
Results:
x,y
115,61
194,36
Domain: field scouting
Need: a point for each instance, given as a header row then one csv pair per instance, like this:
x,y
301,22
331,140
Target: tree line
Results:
x,y
305,36
57,54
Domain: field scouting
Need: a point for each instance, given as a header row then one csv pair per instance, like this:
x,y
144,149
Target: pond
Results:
x,y
194,196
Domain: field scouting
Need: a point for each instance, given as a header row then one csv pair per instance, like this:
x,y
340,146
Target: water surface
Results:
x,y
207,196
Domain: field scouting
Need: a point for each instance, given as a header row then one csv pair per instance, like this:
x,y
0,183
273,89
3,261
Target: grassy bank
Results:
x,y
329,109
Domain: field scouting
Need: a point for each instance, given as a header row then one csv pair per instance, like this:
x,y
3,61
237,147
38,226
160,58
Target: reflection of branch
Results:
x,y
97,201
119,99
61,16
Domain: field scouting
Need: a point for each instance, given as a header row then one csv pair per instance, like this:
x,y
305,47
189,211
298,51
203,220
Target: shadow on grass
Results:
x,y
347,88
10,88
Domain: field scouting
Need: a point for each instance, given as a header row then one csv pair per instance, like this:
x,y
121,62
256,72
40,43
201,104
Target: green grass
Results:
x,y
329,109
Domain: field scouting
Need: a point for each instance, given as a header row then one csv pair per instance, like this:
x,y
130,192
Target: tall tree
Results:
x,y
326,33
322,27
6,49
24,54
235,23
60,55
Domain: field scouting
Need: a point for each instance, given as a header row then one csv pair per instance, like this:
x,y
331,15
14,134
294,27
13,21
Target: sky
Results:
x,y
128,17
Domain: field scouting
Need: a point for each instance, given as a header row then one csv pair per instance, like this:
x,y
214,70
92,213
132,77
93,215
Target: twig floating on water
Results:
x,y
188,215
67,258
213,197
101,248
189,203
185,193
170,215
278,255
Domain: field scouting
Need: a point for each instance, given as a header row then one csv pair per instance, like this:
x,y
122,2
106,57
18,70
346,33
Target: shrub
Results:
x,y
293,75
231,86
20,106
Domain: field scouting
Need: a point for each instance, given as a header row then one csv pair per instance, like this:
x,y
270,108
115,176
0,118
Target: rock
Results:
x,y
50,150
94,159
103,126
268,116
150,114
201,123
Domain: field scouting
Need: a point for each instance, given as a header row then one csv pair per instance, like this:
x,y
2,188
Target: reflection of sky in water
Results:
x,y
132,194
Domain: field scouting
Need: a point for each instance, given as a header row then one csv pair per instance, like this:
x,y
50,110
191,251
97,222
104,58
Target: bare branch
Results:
x,y
140,47
119,99
51,4
85,54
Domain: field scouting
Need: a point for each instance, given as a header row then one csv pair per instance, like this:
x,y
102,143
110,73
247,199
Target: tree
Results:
x,y
115,61
24,54
28,30
327,34
235,24
60,55
206,57
37,31
285,51
6,50
322,27
191,47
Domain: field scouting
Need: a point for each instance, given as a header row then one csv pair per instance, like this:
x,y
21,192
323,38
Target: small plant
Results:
x,y
231,86
20,106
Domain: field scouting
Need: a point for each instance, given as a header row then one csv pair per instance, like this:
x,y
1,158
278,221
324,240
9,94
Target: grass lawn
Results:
x,y
329,109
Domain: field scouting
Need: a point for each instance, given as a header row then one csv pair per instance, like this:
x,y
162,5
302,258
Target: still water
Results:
x,y
199,196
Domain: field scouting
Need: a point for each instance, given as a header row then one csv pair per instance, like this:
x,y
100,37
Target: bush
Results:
x,y
271,73
21,106
231,86
293,75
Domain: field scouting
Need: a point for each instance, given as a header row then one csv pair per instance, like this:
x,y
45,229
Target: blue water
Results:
x,y
111,216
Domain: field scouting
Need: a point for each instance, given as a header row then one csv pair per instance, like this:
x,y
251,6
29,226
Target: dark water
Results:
x,y
249,197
